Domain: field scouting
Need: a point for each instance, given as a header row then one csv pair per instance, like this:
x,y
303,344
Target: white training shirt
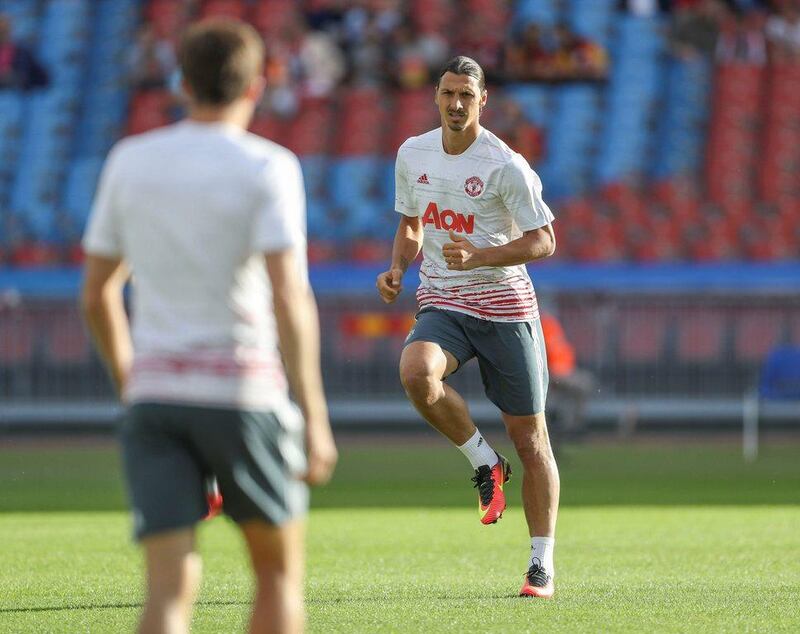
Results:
x,y
192,208
488,194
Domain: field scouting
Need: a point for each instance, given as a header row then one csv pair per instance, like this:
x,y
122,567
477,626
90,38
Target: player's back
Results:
x,y
192,208
188,198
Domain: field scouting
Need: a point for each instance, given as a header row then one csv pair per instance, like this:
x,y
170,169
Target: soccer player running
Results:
x,y
475,209
210,220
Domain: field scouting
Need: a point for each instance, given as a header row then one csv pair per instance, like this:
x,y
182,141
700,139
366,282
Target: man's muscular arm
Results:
x,y
461,255
407,244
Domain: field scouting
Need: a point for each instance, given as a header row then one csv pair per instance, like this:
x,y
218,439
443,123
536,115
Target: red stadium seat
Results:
x,y
16,340
310,131
167,17
149,109
700,336
362,125
642,335
272,17
756,333
270,127
66,341
584,332
223,8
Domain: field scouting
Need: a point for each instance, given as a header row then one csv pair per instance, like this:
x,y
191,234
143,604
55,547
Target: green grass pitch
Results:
x,y
657,537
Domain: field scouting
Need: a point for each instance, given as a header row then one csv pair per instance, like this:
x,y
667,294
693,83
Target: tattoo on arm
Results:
x,y
404,263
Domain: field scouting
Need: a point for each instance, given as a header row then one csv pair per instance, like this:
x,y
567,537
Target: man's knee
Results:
x,y
174,568
419,374
530,437
420,383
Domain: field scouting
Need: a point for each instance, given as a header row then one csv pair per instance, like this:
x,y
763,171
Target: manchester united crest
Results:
x,y
473,186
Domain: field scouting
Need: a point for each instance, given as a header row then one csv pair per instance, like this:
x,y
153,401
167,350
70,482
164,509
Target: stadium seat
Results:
x,y
272,17
310,131
270,127
642,335
223,8
17,339
167,17
700,337
150,109
583,331
756,332
65,340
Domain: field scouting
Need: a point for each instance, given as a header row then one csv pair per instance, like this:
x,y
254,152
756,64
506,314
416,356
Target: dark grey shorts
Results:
x,y
170,450
511,355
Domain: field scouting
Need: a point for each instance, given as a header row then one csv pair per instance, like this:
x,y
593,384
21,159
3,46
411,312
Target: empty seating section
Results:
x,y
53,140
631,100
669,158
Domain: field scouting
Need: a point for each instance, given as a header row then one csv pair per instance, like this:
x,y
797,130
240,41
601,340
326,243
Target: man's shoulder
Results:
x,y
494,148
261,148
426,142
240,149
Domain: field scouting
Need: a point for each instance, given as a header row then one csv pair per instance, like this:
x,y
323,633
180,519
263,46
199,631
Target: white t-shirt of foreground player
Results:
x,y
488,194
192,208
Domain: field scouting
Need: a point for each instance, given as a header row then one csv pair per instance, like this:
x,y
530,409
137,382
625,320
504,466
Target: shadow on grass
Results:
x,y
213,603
110,606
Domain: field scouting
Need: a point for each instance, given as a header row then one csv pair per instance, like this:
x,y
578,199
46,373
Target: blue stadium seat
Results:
x,y
81,183
681,133
353,179
632,95
534,101
539,11
592,19
315,175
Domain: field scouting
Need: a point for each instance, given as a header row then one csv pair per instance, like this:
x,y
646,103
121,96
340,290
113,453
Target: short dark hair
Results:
x,y
219,58
463,65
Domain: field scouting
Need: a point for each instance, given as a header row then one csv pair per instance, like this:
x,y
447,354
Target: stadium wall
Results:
x,y
667,343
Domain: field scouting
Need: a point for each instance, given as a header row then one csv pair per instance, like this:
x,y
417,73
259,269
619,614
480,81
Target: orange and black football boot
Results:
x,y
537,583
489,481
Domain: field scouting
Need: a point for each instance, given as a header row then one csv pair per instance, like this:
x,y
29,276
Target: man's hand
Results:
x,y
460,254
389,284
321,452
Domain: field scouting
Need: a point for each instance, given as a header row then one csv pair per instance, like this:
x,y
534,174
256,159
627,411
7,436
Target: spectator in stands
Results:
x,y
695,27
570,386
484,45
527,58
508,121
783,33
560,55
644,8
368,59
741,39
415,55
19,68
577,57
280,96
321,61
152,61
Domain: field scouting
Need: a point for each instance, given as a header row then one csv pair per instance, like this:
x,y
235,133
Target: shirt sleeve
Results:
x,y
521,191
102,236
405,201
280,221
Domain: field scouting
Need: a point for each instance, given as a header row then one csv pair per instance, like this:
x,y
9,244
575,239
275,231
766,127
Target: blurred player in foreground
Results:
x,y
211,222
475,209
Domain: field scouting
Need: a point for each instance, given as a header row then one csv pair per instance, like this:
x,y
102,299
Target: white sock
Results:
x,y
478,451
542,553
